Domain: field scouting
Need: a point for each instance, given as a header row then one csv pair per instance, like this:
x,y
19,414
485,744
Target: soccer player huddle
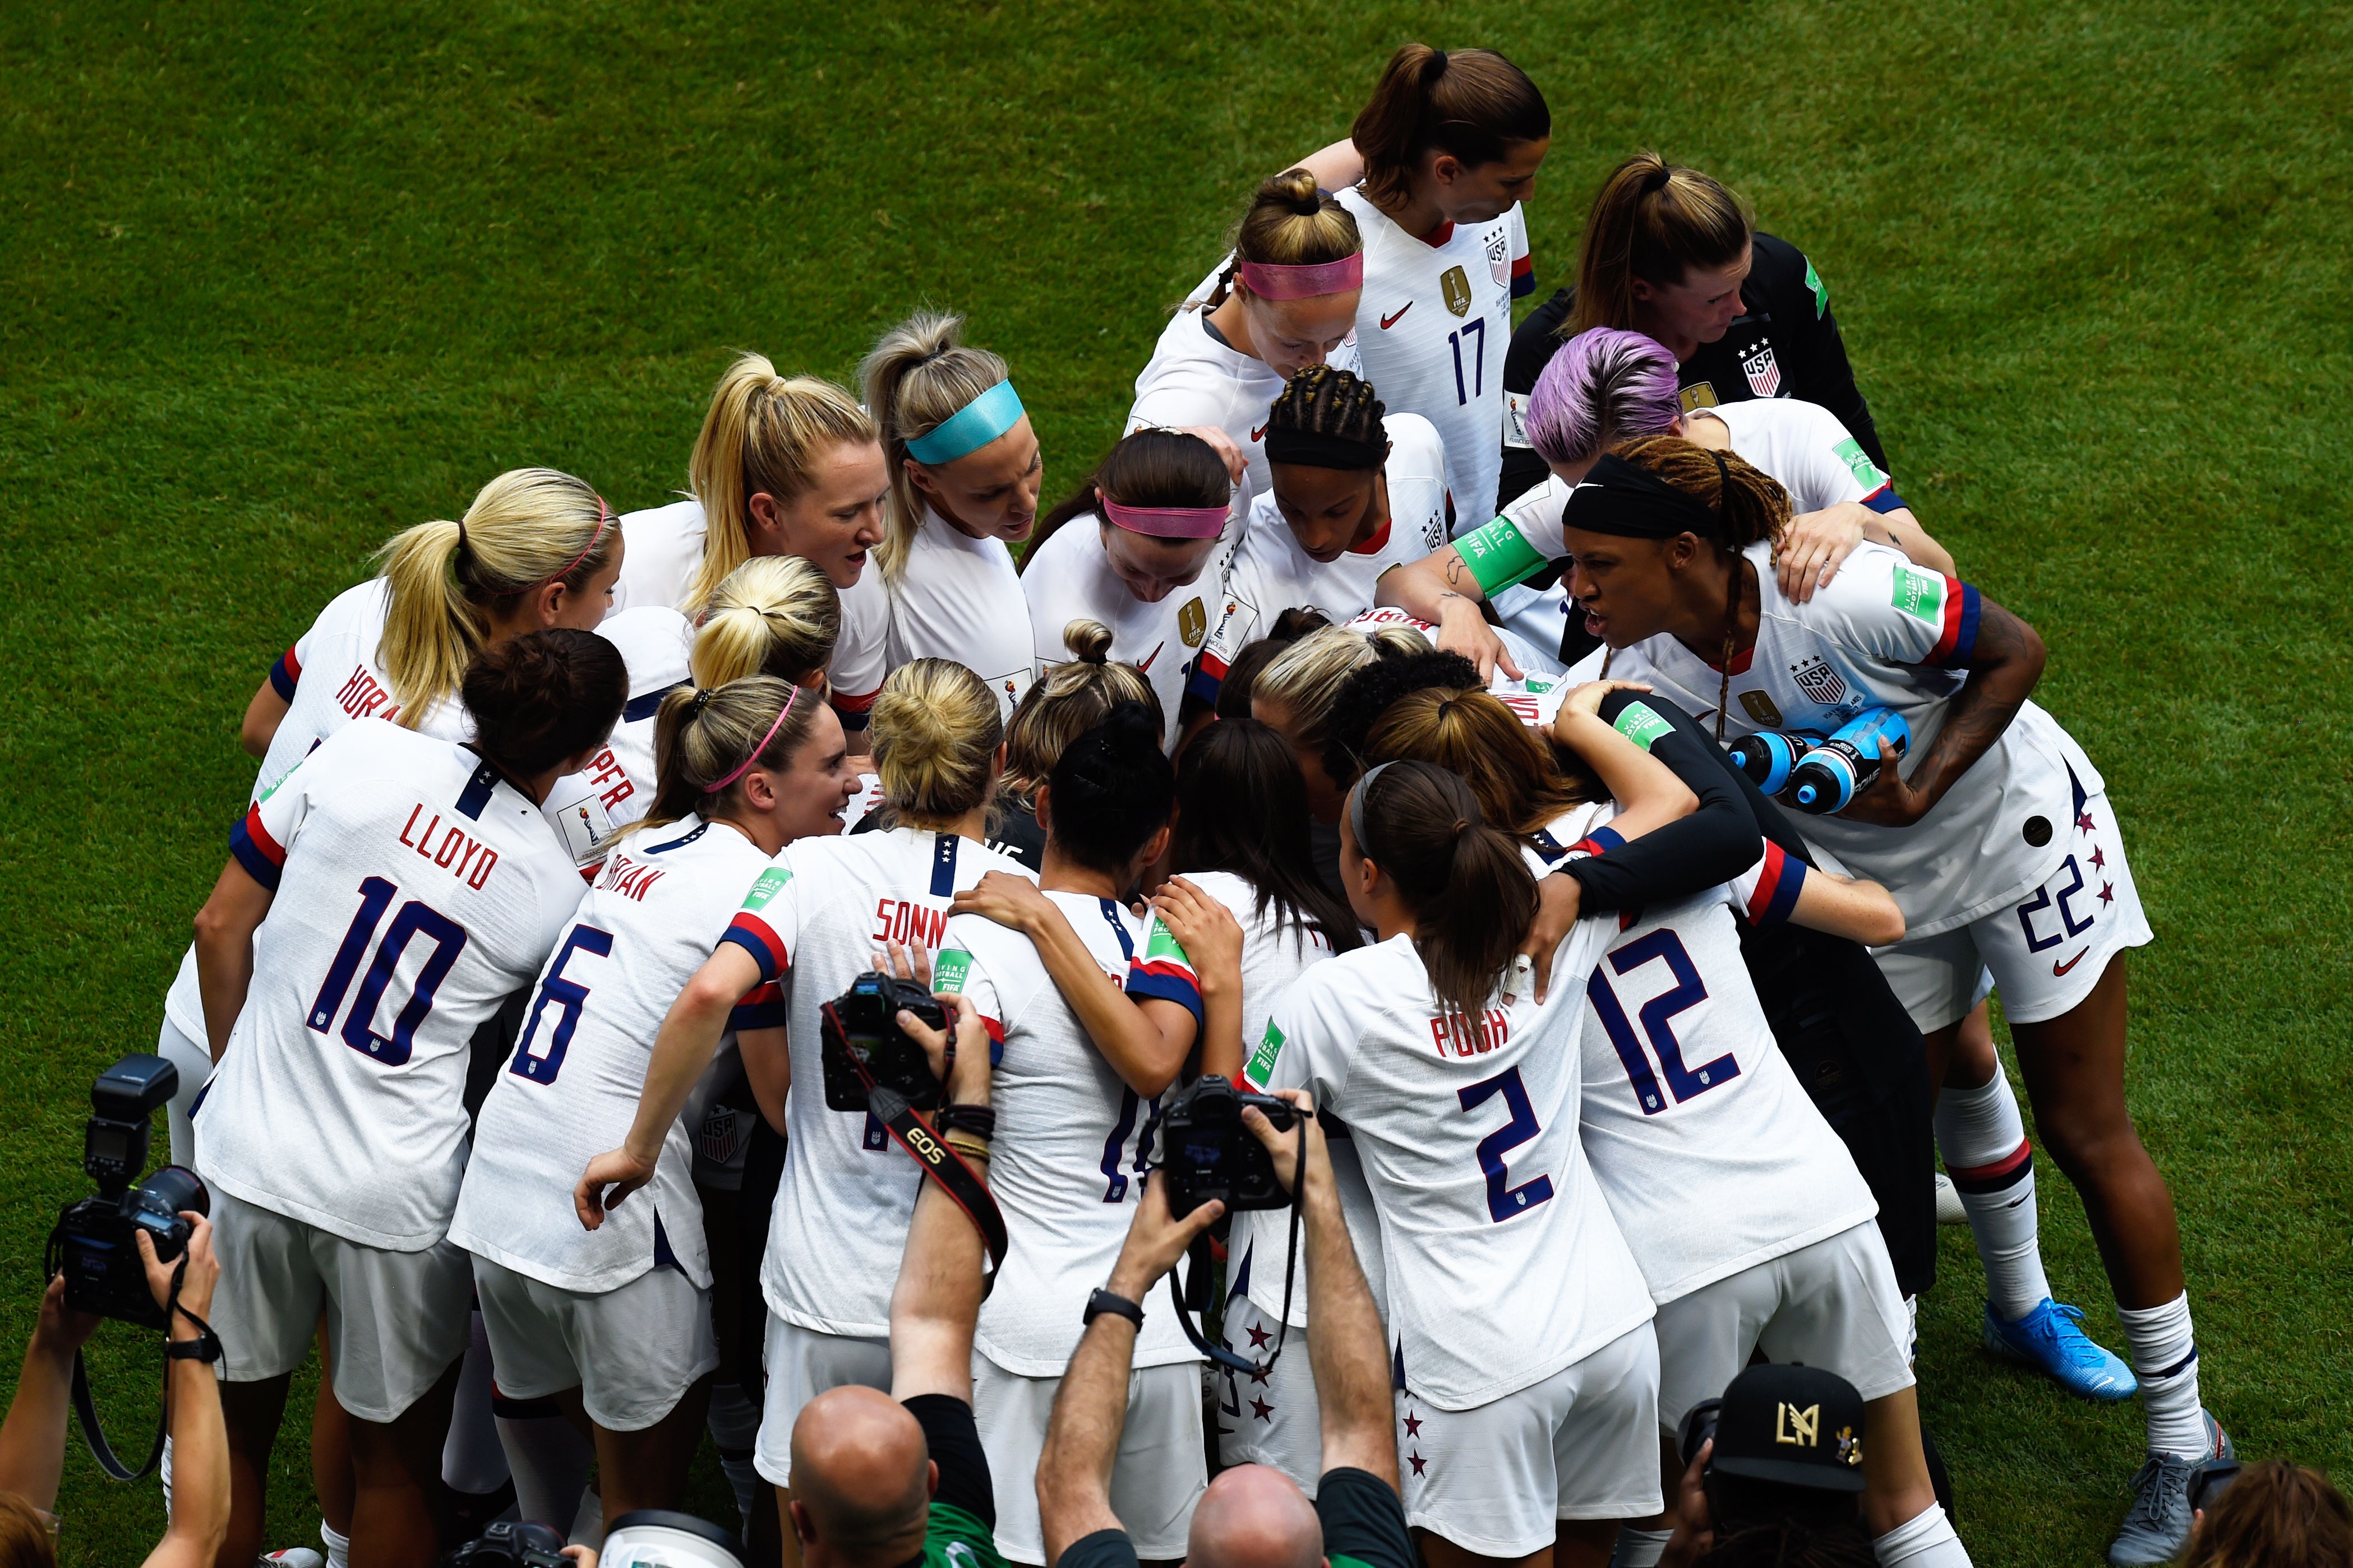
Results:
x,y
1559,760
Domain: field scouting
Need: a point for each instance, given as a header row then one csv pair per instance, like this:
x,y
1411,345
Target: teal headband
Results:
x,y
971,427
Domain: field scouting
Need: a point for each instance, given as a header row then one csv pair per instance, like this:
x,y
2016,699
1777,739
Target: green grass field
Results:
x,y
276,282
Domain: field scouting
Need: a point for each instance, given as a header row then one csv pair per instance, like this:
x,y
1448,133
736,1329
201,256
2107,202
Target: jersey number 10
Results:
x,y
414,920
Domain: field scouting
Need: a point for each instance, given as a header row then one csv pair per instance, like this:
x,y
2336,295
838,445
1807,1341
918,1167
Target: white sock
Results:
x,y
1640,1548
1925,1540
548,1459
735,1424
471,1460
339,1547
1983,1141
2165,1358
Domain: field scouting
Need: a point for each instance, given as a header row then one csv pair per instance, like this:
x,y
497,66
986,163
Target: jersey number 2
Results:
x,y
1506,1201
415,919
569,995
1465,391
1657,1015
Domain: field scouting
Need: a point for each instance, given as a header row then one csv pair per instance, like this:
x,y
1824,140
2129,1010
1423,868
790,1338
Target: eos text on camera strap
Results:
x,y
928,1148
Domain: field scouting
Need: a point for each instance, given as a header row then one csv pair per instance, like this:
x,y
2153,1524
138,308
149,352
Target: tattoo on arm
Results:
x,y
2003,670
1454,570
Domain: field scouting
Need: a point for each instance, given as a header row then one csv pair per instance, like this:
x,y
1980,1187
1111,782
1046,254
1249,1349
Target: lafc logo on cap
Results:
x,y
1799,1428
1456,288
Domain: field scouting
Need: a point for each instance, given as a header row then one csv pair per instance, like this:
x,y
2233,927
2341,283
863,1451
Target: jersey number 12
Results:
x,y
1657,1015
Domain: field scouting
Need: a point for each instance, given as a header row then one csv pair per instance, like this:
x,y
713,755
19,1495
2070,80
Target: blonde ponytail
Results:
x,y
920,375
701,737
1069,699
775,614
1306,677
526,527
936,731
763,433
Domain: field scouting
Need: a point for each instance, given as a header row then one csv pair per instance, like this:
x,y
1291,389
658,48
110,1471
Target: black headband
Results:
x,y
1316,450
1619,498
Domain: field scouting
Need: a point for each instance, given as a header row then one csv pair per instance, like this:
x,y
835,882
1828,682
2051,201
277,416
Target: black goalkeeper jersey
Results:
x,y
1784,343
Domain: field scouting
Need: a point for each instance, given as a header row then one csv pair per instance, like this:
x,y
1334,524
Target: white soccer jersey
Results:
x,y
1276,951
1800,446
1073,1142
578,1069
1536,696
591,808
1270,573
960,598
664,546
1196,377
1710,1154
820,912
329,678
1503,1264
1433,329
416,889
1885,633
1068,578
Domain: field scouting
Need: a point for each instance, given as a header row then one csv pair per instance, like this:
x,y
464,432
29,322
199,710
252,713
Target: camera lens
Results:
x,y
173,1188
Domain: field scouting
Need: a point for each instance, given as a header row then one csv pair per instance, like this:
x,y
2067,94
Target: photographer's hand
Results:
x,y
1156,1240
1694,1534
203,1275
200,1484
33,1438
1283,1145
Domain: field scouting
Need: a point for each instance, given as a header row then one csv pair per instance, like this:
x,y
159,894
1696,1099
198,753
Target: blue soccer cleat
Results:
x,y
2051,1338
2156,1526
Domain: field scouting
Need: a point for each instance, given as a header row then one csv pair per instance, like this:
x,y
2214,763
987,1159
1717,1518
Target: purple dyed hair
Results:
x,y
1604,385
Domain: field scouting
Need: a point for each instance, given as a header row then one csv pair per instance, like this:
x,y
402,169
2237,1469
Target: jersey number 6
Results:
x,y
568,995
1506,1201
359,1027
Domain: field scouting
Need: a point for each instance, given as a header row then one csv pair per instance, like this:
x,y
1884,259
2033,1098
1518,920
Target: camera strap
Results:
x,y
86,1408
939,1161
1230,1360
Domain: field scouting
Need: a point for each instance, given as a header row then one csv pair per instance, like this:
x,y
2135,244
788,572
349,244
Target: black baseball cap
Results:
x,y
1792,1426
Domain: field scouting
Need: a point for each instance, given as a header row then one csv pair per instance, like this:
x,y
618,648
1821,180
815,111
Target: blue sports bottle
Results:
x,y
1767,756
1832,773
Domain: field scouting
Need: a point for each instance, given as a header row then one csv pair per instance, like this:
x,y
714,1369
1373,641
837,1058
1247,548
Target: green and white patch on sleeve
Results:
x,y
1260,1069
1920,594
952,970
1822,294
1159,941
1642,724
1867,474
771,883
1499,555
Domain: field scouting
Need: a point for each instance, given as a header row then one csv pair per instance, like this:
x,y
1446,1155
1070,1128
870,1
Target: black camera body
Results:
x,y
861,1026
93,1243
1206,1152
511,1544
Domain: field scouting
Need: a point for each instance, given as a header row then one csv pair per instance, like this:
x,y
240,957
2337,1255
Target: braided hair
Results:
x,y
1321,401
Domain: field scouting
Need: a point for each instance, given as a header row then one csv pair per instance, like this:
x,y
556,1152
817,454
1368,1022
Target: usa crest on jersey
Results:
x,y
1817,680
1763,371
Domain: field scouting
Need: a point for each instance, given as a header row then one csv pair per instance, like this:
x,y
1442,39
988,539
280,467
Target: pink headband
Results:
x,y
1272,280
604,516
1165,521
745,766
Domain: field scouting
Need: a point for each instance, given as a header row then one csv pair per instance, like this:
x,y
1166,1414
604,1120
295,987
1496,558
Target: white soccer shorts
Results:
x,y
2046,951
395,1321
803,1364
1272,1419
1156,1477
1497,1478
633,1351
1834,1305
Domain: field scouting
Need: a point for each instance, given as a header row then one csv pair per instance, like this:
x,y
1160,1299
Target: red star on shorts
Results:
x,y
1417,1462
1259,1374
2099,857
2107,892
1263,1410
1413,1426
2084,821
1259,1336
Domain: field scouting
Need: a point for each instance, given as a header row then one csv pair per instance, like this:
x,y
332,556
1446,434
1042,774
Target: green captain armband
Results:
x,y
1499,555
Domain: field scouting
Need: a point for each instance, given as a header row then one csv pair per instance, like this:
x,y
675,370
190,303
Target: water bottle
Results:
x,y
1832,773
1767,756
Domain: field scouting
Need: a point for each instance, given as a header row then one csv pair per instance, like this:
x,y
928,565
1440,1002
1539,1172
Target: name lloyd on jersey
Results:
x,y
456,852
1457,1035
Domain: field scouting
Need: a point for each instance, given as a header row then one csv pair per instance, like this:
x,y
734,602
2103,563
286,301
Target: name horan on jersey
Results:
x,y
465,857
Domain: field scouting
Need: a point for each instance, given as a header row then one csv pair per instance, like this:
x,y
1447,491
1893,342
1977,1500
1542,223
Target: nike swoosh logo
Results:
x,y
2056,967
1388,322
1259,434
1145,664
